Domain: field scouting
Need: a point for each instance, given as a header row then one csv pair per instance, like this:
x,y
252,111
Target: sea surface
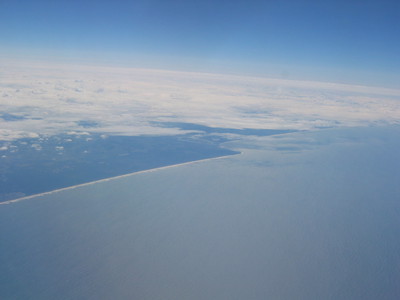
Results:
x,y
30,166
306,215
35,165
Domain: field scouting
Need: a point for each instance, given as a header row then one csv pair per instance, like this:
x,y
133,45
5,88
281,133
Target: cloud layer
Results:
x,y
51,99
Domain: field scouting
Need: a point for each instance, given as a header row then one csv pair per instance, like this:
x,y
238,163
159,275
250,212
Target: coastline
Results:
x,y
113,178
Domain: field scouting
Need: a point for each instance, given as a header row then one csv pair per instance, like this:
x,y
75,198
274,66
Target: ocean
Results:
x,y
305,215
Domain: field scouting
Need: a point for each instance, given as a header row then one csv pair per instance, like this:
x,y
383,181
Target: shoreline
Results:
x,y
112,178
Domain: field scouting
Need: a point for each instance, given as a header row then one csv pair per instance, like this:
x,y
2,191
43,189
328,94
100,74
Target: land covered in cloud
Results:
x,y
52,99
62,125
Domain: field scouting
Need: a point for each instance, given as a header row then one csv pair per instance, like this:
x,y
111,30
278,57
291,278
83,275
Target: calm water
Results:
x,y
299,216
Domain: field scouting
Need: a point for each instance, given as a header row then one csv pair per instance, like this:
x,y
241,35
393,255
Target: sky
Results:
x,y
350,41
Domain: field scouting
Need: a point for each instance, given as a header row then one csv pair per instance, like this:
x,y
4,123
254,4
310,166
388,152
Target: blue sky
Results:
x,y
347,41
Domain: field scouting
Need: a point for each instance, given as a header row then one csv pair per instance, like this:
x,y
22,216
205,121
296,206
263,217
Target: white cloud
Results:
x,y
56,99
37,147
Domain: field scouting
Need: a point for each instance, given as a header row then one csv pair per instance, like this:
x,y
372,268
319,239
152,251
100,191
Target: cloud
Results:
x,y
37,147
55,99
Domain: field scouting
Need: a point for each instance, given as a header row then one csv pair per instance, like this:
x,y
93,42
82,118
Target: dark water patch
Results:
x,y
209,130
87,123
11,117
288,148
